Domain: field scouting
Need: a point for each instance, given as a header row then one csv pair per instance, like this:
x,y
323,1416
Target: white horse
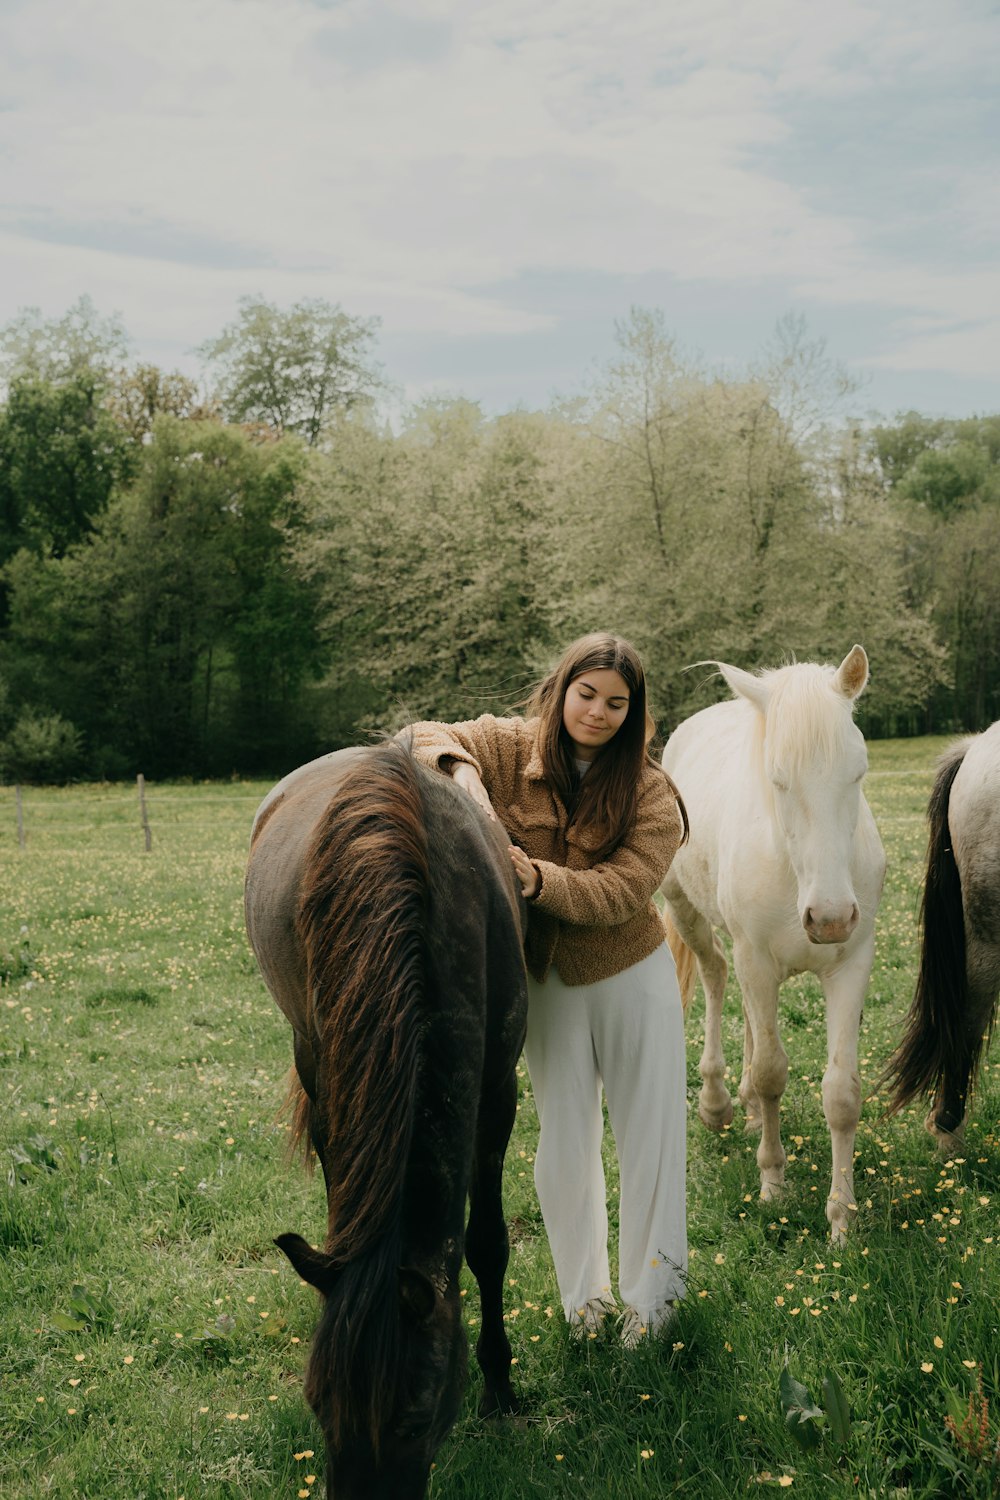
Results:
x,y
785,857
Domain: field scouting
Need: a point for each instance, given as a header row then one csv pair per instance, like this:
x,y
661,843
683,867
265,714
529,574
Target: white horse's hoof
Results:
x,y
840,1212
771,1188
716,1119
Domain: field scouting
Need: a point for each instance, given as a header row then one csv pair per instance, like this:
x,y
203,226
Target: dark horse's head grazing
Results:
x,y
388,925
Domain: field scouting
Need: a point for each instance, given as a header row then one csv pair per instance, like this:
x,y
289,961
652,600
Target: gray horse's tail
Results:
x,y
938,1053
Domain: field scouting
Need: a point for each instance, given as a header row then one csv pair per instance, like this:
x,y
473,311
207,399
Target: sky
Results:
x,y
499,183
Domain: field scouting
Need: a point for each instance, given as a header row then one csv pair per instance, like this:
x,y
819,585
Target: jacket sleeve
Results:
x,y
621,886
487,743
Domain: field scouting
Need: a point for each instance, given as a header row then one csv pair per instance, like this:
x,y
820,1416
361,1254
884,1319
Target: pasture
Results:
x,y
152,1337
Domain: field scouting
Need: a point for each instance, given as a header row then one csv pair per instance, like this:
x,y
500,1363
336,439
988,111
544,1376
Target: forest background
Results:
x,y
233,576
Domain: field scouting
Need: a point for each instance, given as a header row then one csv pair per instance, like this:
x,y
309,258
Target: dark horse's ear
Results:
x,y
416,1294
312,1265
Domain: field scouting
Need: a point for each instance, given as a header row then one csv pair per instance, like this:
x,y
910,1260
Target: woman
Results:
x,y
594,824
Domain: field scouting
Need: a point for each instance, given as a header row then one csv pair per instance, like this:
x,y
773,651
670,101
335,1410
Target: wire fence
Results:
x,y
55,814
42,815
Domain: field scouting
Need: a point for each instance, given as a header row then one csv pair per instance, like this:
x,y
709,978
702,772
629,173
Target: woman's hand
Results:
x,y
525,872
468,777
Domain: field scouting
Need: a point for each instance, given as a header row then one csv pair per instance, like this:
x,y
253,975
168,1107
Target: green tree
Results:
x,y
703,513
61,451
137,395
730,523
80,345
432,554
61,457
40,748
862,590
292,371
967,606
943,477
950,479
175,635
681,509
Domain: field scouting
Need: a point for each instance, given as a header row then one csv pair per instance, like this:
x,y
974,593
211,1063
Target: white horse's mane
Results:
x,y
806,719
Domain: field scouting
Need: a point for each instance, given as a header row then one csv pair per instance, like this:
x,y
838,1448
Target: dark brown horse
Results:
x,y
954,1005
388,924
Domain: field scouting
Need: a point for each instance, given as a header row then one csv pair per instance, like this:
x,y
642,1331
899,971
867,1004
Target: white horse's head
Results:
x,y
814,757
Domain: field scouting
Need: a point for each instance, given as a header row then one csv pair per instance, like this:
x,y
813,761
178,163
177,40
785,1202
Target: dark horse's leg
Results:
x,y
486,1244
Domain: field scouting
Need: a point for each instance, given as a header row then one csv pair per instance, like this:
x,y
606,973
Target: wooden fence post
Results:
x,y
147,831
20,816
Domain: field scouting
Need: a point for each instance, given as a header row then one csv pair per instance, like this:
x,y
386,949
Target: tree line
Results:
x,y
233,576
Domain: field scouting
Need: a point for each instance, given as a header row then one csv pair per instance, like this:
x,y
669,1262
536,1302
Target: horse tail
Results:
x,y
684,959
362,919
935,1043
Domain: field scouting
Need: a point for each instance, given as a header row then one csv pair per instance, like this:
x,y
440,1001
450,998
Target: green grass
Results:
x,y
152,1338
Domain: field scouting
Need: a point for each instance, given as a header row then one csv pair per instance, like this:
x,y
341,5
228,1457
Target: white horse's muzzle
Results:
x,y
830,927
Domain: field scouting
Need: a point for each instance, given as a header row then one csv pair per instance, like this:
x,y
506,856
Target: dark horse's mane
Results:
x,y
935,1042
362,919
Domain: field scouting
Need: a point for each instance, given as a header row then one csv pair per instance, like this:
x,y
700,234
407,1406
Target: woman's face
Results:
x,y
594,709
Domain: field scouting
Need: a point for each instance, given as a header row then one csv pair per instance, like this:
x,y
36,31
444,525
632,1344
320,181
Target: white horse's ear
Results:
x,y
745,685
852,674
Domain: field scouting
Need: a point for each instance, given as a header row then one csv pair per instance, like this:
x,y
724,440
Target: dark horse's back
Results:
x,y
384,912
471,905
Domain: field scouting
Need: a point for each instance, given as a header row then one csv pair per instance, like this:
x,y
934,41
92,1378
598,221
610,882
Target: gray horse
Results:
x,y
954,1006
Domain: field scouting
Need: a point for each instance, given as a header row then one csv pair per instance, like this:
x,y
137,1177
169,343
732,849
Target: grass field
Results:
x,y
152,1338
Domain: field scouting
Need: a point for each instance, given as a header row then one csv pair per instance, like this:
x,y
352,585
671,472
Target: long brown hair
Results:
x,y
608,796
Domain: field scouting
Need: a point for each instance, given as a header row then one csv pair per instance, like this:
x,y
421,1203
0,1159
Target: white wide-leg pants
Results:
x,y
625,1033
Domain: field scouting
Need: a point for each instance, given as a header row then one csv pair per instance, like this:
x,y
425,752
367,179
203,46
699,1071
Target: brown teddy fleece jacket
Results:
x,y
590,919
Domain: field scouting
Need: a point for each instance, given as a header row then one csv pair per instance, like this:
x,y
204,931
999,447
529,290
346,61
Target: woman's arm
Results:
x,y
479,743
480,754
466,776
619,887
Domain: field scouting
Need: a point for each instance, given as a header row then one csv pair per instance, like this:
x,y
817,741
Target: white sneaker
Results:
x,y
634,1327
587,1321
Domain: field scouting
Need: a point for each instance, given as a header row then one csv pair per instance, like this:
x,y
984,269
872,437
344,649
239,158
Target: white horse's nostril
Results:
x,y
830,929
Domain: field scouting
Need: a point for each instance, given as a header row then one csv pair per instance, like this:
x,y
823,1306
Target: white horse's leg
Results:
x,y
769,1061
748,1097
845,992
714,1104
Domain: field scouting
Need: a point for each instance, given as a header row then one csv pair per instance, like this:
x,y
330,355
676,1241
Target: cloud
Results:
x,y
410,158
458,169
972,349
190,311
